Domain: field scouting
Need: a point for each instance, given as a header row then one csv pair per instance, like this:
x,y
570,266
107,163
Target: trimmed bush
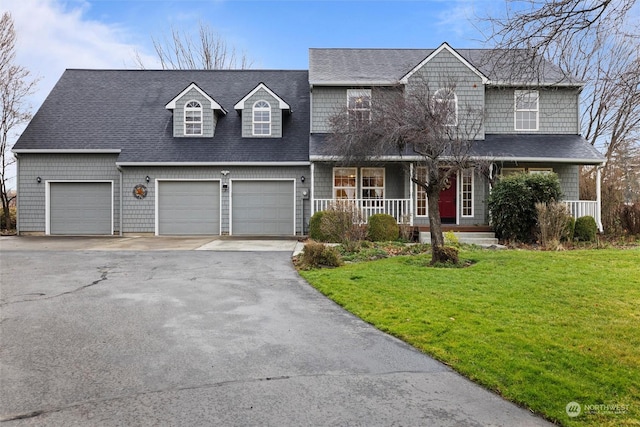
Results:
x,y
586,229
315,227
571,227
382,228
512,204
316,255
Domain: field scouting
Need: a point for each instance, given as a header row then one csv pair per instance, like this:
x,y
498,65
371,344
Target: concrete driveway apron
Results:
x,y
208,338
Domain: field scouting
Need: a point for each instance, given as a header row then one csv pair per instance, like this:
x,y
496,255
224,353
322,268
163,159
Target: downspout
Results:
x,y
120,202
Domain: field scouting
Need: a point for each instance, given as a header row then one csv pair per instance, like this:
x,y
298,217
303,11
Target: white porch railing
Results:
x,y
579,208
400,209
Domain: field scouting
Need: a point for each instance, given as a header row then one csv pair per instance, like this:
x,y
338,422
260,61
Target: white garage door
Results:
x,y
188,207
79,208
263,208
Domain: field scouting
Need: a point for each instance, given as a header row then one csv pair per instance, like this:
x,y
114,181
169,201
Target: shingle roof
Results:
x,y
501,147
388,66
125,109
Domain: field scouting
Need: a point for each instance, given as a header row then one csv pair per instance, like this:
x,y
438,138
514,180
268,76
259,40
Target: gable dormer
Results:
x,y
262,111
195,113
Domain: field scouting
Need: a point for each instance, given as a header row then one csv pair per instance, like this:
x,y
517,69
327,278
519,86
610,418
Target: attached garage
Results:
x,y
188,208
80,208
263,208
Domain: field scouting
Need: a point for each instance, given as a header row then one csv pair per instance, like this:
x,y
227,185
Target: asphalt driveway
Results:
x,y
186,337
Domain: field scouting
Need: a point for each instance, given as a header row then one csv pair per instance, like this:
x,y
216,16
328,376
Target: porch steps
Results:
x,y
480,238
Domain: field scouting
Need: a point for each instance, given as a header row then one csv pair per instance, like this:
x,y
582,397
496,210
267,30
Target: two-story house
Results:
x,y
529,126
243,152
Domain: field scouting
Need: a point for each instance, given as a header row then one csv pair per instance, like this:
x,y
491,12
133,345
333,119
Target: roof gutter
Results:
x,y
414,158
125,164
67,151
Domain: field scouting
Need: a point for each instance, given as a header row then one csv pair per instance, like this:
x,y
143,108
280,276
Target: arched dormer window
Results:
x,y
446,106
193,118
261,118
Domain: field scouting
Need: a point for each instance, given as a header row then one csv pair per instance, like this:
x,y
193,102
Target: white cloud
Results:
x,y
53,36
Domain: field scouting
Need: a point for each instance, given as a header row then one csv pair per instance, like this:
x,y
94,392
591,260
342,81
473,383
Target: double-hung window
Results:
x,y
467,192
526,109
372,183
262,118
445,104
193,118
421,194
359,105
344,183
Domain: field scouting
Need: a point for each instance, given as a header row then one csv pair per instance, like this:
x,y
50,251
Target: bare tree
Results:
x,y
421,125
536,25
207,50
596,42
15,87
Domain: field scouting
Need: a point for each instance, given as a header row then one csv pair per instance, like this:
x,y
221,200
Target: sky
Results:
x,y
54,35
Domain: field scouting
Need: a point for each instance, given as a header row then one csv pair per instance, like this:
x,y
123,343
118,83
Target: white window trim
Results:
x,y
437,98
417,194
464,174
354,93
200,122
333,183
511,171
362,187
516,95
254,121
540,170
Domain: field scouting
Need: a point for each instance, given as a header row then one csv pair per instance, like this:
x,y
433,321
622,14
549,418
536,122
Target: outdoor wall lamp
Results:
x,y
38,180
302,178
225,187
147,179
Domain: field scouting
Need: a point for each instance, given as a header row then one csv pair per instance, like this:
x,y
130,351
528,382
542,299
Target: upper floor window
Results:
x,y
262,118
359,105
526,109
446,106
193,118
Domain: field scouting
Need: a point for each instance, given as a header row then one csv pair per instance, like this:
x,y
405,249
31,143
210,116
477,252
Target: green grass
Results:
x,y
540,328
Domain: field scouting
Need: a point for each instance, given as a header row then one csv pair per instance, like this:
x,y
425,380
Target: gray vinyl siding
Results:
x,y
247,115
326,101
558,111
446,71
59,167
209,118
139,214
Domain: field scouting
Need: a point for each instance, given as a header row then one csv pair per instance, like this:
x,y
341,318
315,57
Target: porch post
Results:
x,y
599,197
410,194
312,195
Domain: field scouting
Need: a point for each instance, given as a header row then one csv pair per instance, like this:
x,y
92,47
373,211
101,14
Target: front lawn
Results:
x,y
542,329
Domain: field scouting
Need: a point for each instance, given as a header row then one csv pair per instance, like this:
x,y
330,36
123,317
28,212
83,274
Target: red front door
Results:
x,y
447,202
